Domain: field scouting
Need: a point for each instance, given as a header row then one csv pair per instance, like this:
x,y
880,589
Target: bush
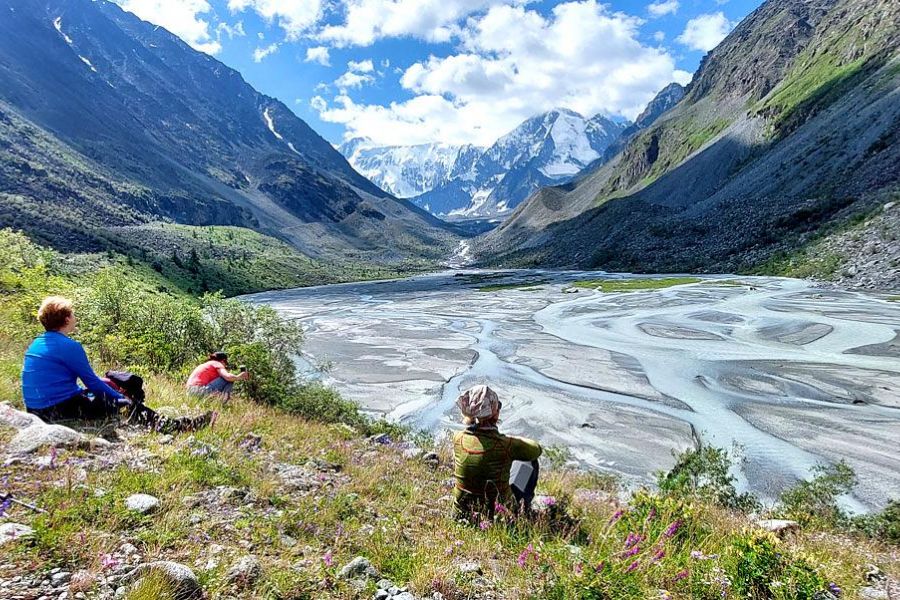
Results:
x,y
761,568
883,526
814,502
705,472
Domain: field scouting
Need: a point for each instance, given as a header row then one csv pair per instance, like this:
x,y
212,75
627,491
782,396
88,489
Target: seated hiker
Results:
x,y
213,377
484,457
54,363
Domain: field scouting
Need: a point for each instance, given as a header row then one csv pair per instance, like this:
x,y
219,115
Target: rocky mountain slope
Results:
x,y
791,123
113,121
471,182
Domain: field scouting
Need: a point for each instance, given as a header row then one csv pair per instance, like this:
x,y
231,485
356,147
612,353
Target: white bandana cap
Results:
x,y
479,402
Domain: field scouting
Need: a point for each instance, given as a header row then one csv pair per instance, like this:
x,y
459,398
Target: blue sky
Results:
x,y
451,71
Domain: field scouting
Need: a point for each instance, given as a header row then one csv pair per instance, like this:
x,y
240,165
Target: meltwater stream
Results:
x,y
786,374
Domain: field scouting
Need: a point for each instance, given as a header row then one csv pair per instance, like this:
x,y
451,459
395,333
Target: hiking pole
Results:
x,y
8,497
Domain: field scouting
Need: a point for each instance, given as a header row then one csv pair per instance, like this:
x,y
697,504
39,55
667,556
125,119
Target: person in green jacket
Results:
x,y
484,457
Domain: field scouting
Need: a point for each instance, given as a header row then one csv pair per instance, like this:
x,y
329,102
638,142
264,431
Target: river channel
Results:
x,y
785,374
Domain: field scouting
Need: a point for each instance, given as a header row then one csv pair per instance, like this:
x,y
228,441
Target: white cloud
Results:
x,y
232,31
318,103
705,31
659,36
512,63
319,54
181,17
366,21
352,80
364,66
296,17
663,7
260,53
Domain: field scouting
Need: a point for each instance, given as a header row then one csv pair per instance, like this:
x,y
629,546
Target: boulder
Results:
x,y
779,527
358,568
142,503
33,434
245,571
10,532
873,593
181,579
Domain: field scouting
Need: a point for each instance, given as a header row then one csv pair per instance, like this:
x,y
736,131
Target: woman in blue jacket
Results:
x,y
54,363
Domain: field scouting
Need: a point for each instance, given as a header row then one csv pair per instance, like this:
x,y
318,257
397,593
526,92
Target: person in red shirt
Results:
x,y
213,377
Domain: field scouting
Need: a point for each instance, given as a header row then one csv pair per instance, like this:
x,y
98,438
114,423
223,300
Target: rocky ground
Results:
x,y
869,252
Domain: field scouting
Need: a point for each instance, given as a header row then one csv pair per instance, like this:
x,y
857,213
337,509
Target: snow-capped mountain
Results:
x,y
547,149
407,171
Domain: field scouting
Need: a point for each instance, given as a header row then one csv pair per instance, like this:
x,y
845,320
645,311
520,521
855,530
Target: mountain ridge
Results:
x,y
199,143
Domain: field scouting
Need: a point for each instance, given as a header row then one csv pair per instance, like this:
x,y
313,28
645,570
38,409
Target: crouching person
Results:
x,y
213,377
484,458
54,362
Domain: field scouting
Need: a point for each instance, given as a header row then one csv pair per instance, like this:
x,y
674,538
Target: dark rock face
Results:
x,y
120,122
777,136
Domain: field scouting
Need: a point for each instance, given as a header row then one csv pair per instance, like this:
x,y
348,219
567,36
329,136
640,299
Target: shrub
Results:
x,y
884,525
705,472
761,568
814,502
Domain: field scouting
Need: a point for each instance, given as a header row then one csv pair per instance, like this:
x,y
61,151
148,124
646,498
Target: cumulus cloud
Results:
x,y
512,63
295,17
705,31
181,17
232,31
663,7
366,21
364,66
319,54
357,75
261,53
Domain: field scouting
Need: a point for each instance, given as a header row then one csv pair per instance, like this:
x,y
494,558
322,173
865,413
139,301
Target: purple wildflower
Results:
x,y
616,516
108,562
834,589
578,569
659,554
500,509
632,539
549,501
4,506
599,566
328,559
484,525
634,550
672,529
526,553
681,575
632,566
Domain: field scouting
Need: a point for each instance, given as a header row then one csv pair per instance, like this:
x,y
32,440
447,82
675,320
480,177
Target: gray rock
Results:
x,y
385,584
873,593
779,527
381,595
60,578
142,503
12,531
245,571
180,578
358,568
33,438
469,567
403,596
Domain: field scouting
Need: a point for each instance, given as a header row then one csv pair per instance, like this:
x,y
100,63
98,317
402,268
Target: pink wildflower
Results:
x,y
500,509
484,525
526,553
108,561
549,501
578,568
672,529
328,559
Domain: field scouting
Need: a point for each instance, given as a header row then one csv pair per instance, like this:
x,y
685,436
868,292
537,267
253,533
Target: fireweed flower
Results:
x,y
672,529
526,553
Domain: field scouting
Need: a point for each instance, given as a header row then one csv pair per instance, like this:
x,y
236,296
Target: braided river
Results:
x,y
784,374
